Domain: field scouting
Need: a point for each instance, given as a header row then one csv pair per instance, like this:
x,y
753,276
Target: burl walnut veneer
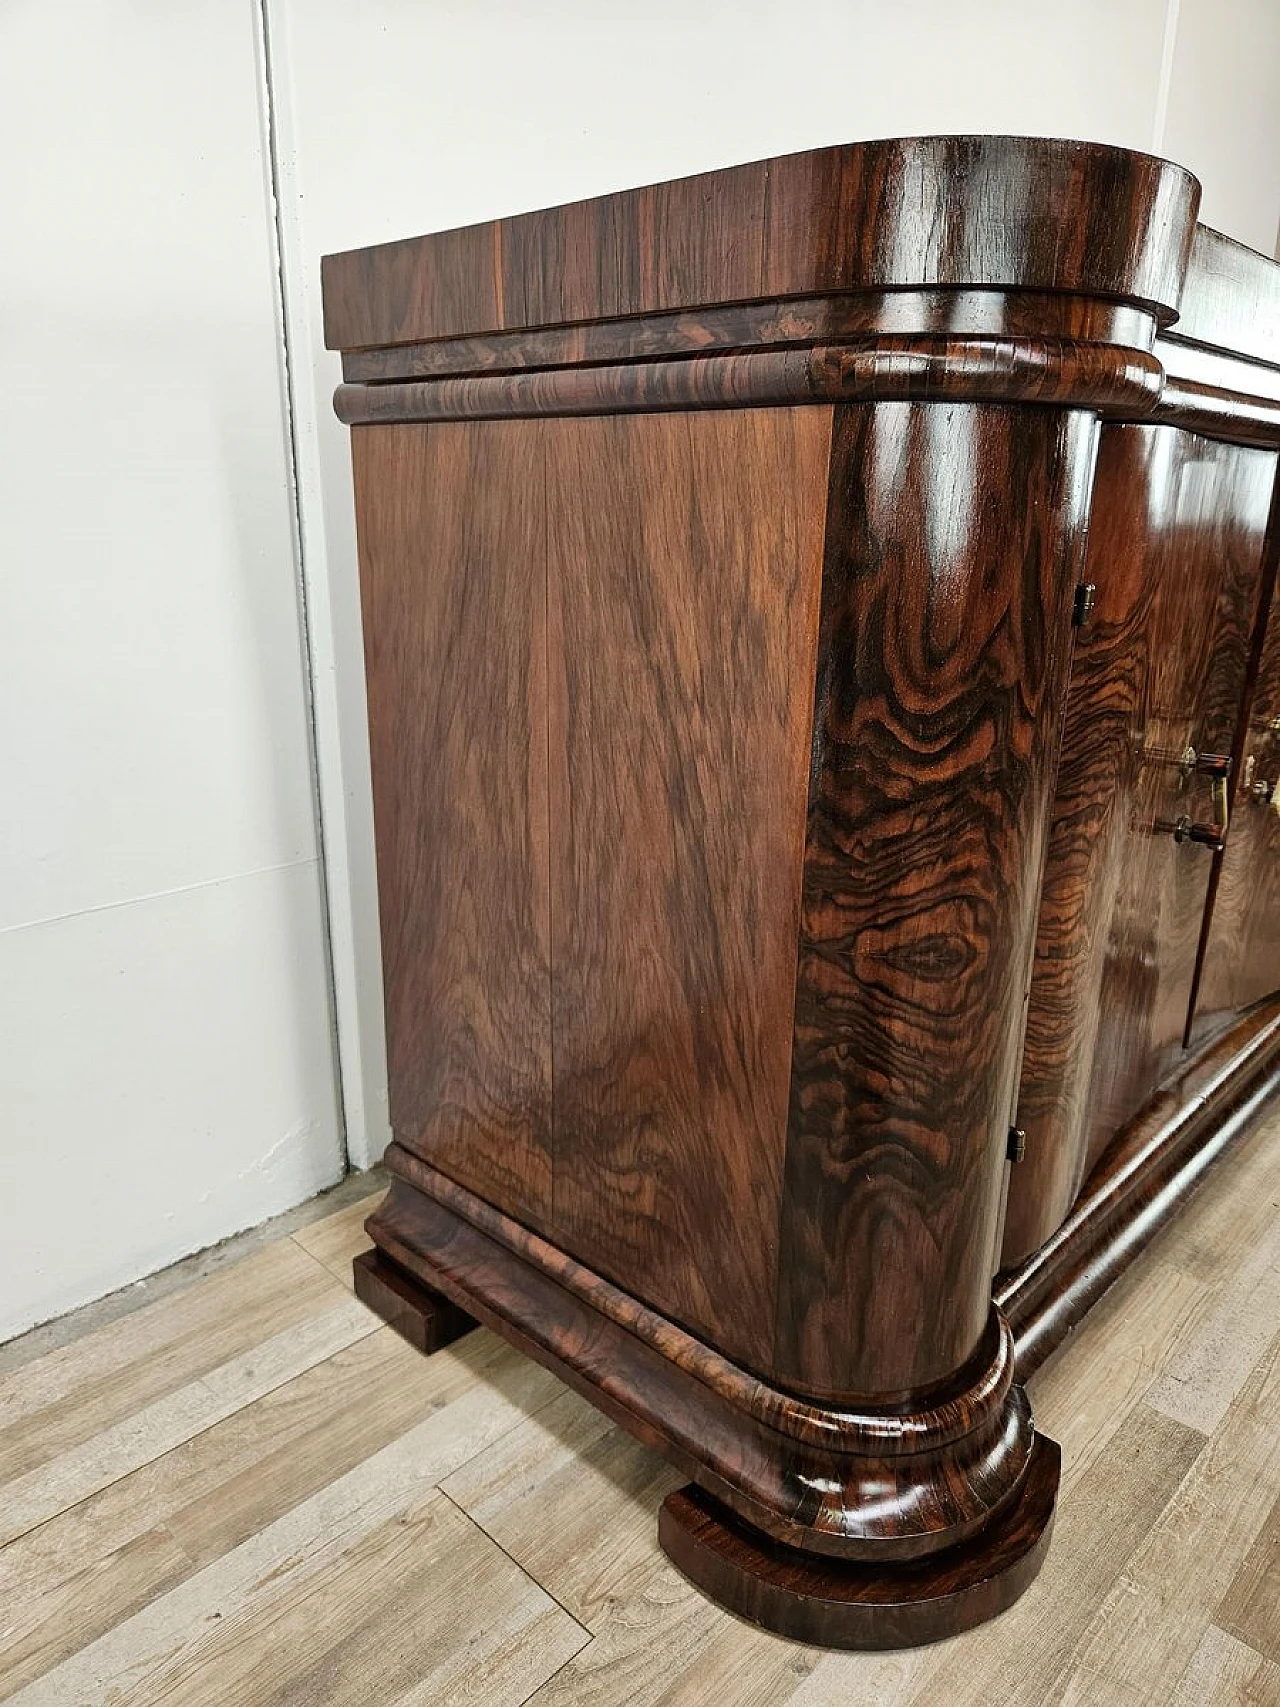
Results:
x,y
825,731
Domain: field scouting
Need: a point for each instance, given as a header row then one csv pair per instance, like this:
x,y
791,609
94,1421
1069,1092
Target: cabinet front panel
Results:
x,y
944,650
1242,945
1174,553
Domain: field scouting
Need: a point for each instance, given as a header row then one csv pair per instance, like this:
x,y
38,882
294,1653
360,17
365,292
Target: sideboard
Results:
x,y
825,732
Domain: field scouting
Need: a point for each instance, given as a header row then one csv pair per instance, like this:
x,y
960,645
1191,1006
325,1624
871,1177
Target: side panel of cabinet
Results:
x,y
1175,555
590,649
685,556
454,601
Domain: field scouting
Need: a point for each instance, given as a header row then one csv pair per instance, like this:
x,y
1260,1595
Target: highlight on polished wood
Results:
x,y
825,738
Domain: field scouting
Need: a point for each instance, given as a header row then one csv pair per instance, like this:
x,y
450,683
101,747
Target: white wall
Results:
x,y
166,1065
402,116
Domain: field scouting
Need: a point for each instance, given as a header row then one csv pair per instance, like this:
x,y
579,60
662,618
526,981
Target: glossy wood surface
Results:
x,y
456,650
894,367
1175,556
684,562
766,325
721,543
852,1606
943,655
872,1484
1012,212
589,1000
1147,1174
1242,939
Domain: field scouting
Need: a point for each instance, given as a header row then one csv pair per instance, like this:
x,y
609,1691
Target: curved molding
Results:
x,y
1215,413
767,325
886,1431
893,1485
1146,1175
1009,212
894,369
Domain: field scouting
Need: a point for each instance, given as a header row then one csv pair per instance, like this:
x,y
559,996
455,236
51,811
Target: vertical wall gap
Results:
x,y
280,291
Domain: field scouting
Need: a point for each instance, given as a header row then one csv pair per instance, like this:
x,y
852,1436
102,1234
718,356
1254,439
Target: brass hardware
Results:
x,y
1017,1146
1256,788
1221,802
1188,762
1086,598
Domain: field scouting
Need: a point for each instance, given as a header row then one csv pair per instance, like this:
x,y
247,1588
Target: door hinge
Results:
x,y
1017,1144
1086,598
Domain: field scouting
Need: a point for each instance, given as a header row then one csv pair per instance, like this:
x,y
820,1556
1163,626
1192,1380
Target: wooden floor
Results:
x,y
249,1491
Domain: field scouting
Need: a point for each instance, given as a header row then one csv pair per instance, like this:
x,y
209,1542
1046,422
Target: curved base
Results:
x,y
836,1605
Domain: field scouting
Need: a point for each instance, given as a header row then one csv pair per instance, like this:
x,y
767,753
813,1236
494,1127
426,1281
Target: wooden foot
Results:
x,y
424,1318
837,1605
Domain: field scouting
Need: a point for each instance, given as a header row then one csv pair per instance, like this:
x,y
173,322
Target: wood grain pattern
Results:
x,y
1204,555
1012,212
892,368
453,590
703,1101
1241,943
426,1323
799,320
888,1485
1230,298
943,656
686,557
847,1606
1250,1609
1147,1172
1159,668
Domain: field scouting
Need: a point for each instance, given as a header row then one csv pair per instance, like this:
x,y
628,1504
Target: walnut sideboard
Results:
x,y
826,732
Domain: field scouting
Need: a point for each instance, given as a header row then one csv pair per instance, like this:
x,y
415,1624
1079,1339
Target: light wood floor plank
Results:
x,y
188,1639
1147,1629
68,1581
572,1498
1212,1361
103,1458
1016,1659
60,1400
241,1508
1250,1609
1226,1673
338,1239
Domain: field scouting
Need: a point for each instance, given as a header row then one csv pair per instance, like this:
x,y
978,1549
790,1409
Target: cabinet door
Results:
x,y
1175,551
1242,941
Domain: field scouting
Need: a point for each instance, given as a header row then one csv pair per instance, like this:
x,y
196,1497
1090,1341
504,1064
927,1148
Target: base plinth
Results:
x,y
836,1605
428,1321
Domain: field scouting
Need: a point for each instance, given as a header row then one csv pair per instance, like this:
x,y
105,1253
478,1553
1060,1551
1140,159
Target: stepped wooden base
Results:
x,y
787,1521
837,1605
426,1319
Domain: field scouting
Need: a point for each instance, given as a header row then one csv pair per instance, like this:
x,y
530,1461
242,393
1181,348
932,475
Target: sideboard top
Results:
x,y
980,211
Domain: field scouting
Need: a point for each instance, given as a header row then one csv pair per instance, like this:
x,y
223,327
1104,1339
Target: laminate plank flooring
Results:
x,y
248,1491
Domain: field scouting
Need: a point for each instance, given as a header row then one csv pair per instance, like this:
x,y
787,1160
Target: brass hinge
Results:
x,y
1017,1144
1086,598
